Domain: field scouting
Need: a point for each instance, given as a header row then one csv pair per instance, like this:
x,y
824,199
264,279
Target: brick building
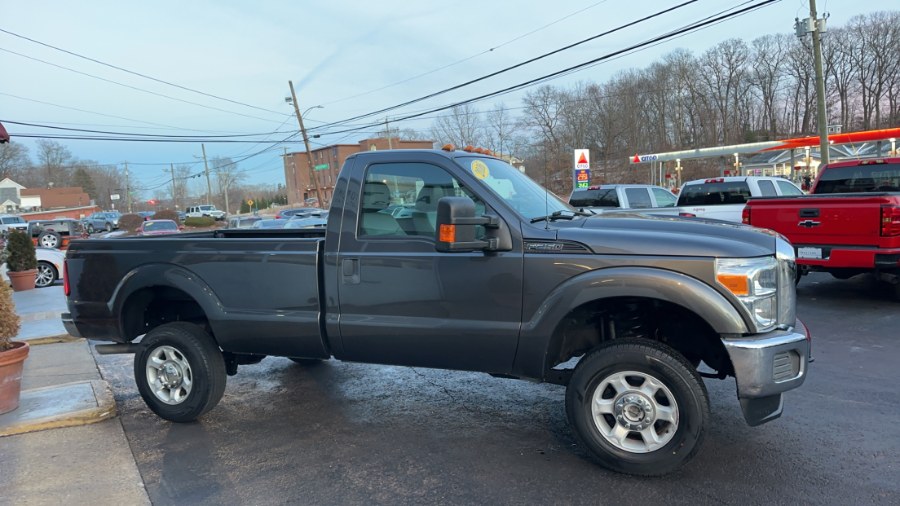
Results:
x,y
54,198
327,162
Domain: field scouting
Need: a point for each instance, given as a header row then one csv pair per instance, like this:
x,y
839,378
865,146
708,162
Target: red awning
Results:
x,y
4,137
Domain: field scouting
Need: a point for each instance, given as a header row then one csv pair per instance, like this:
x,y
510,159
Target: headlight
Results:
x,y
754,281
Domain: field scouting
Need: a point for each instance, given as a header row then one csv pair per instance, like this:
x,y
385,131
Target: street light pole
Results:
x,y
306,143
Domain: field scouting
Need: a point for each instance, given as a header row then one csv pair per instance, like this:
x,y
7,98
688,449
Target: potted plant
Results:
x,y
12,353
21,261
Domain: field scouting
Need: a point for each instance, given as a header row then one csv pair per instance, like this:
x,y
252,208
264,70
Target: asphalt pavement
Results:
x,y
344,433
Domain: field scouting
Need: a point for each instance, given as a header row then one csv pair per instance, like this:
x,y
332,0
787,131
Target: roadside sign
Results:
x,y
321,166
249,202
114,196
582,168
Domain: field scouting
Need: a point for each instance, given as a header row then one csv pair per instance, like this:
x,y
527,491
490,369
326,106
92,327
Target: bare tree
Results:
x,y
14,162
461,127
53,160
227,176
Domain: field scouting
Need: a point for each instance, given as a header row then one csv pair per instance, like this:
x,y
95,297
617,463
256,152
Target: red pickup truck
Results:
x,y
848,225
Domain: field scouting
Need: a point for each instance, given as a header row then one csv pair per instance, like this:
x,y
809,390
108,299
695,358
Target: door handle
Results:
x,y
809,213
350,271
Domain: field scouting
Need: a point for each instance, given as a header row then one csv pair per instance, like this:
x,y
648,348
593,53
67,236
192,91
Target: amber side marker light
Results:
x,y
736,284
447,233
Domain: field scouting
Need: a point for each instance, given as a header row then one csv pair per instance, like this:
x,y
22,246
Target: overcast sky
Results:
x,y
351,57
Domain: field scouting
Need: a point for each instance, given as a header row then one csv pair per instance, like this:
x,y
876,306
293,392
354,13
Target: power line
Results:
x,y
30,135
100,113
269,134
457,62
512,67
710,20
163,95
136,73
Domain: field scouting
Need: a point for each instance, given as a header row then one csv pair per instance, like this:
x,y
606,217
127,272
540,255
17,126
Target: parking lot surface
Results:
x,y
342,433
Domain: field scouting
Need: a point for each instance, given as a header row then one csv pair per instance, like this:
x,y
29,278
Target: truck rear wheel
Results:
x,y
179,371
638,406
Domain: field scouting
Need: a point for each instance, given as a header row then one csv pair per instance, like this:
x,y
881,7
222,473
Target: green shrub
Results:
x,y
202,221
22,256
166,214
9,319
130,222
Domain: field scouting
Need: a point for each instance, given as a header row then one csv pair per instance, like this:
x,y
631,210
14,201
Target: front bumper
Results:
x,y
767,365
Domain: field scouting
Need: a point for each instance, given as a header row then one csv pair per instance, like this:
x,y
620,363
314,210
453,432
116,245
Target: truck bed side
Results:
x,y
257,294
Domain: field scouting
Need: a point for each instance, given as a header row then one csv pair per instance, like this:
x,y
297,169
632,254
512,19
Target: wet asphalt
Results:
x,y
343,433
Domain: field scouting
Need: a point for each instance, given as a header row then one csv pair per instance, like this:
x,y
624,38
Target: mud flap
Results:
x,y
762,409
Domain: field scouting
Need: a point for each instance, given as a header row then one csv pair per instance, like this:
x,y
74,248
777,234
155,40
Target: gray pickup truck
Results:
x,y
483,270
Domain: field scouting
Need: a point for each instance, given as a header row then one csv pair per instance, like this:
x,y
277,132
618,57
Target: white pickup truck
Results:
x,y
723,198
602,198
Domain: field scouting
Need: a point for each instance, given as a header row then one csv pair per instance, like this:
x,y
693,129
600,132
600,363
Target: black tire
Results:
x,y
49,239
109,227
90,229
187,350
46,275
633,413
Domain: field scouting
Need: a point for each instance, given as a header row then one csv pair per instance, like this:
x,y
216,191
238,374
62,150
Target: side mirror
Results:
x,y
455,226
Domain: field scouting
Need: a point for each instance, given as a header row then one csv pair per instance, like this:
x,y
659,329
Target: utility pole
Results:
x,y
174,189
817,28
206,169
306,143
387,128
127,188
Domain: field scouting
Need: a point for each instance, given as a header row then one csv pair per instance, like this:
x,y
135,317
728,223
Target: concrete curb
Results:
x,y
61,338
40,315
105,408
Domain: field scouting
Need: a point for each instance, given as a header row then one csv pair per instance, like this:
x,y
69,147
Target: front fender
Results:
x,y
645,282
165,275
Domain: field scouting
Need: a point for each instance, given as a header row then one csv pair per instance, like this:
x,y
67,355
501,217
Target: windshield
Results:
x,y
207,208
877,177
524,195
714,193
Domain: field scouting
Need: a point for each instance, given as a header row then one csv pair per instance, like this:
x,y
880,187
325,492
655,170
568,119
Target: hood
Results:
x,y
641,234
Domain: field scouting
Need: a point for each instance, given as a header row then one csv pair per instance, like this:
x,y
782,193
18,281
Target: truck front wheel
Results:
x,y
179,371
638,406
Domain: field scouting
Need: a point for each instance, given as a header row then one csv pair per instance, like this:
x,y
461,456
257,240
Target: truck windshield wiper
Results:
x,y
558,215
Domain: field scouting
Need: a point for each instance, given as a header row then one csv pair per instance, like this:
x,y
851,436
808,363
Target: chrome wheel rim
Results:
x,y
45,275
169,375
634,411
49,241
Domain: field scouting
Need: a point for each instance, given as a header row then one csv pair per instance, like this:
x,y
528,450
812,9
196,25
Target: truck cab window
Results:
x,y
400,199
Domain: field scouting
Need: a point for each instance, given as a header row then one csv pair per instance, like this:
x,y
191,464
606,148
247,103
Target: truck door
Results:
x,y
402,302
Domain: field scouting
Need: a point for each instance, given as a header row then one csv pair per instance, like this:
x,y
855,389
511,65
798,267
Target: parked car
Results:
x,y
243,221
104,220
723,198
310,222
49,269
205,210
158,227
299,211
56,232
848,225
11,222
621,196
276,223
